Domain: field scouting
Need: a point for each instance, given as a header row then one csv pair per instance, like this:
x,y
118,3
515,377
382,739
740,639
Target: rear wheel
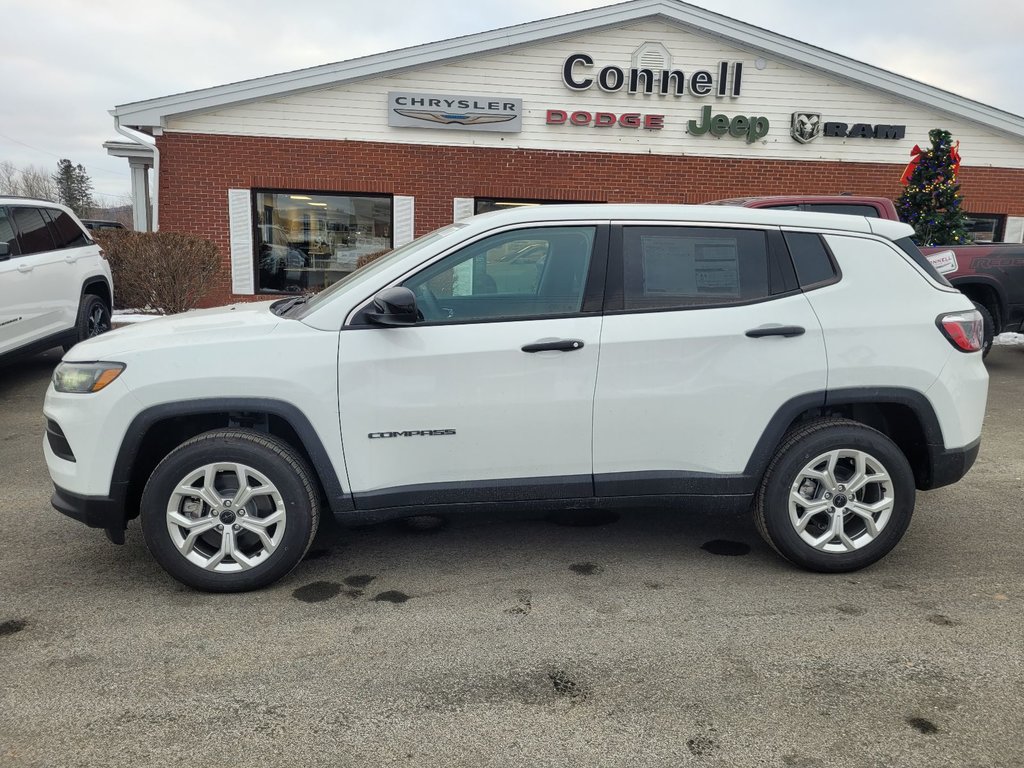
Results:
x,y
93,319
838,496
230,511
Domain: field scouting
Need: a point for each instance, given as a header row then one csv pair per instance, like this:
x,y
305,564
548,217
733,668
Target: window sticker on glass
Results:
x,y
717,268
690,266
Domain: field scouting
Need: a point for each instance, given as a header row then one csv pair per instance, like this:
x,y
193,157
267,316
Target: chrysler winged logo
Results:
x,y
455,112
450,118
806,126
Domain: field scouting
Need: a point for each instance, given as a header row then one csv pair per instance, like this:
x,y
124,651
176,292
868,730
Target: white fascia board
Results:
x,y
153,113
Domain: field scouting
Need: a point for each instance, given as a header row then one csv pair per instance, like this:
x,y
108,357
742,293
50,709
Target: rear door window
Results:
x,y
65,231
33,233
669,267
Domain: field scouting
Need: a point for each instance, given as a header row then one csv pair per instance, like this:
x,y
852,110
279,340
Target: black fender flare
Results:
x,y
918,404
337,498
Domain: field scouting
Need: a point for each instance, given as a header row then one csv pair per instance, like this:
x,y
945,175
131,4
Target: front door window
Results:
x,y
528,273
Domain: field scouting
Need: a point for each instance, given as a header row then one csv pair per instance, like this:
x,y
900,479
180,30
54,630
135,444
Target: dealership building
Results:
x,y
299,177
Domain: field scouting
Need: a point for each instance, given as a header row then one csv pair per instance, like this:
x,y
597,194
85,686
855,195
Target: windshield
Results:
x,y
304,307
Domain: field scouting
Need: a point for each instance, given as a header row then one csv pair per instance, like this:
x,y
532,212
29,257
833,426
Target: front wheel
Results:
x,y
230,510
838,496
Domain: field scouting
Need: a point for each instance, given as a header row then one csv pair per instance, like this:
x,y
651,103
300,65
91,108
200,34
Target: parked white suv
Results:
x,y
813,367
55,284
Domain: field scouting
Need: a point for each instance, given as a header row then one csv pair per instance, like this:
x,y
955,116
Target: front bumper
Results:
x,y
106,512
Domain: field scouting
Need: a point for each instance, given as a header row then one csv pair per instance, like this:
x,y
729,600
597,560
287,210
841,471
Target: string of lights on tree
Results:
x,y
931,201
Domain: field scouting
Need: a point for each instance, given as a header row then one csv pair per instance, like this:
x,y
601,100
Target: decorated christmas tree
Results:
x,y
931,202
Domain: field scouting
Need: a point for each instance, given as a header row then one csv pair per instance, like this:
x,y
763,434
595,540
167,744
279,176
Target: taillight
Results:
x,y
965,330
103,254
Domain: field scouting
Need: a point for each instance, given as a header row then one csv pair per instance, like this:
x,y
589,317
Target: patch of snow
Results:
x,y
1009,339
127,316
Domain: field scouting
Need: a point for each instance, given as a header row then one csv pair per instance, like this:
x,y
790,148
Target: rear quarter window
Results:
x,y
811,258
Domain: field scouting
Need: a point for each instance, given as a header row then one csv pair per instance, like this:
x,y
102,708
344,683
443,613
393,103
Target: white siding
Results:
x,y
1014,230
240,223
358,111
463,208
404,213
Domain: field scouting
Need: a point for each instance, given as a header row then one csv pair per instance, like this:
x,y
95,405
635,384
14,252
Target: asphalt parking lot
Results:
x,y
652,639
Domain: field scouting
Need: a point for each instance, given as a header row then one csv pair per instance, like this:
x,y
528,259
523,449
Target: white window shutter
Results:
x,y
463,208
1014,230
240,225
405,219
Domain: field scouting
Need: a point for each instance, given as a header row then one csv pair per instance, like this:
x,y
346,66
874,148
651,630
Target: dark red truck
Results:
x,y
990,275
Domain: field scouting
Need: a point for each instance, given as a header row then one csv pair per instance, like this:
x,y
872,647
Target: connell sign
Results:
x,y
652,74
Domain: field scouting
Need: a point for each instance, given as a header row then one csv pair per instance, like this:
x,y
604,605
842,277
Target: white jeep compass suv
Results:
x,y
55,284
814,368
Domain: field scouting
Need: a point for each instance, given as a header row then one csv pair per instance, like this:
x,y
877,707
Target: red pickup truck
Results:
x,y
990,275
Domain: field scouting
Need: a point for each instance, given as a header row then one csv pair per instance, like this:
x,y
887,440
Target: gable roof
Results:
x,y
153,113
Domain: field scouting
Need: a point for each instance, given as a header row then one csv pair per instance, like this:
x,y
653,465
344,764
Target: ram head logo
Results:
x,y
806,126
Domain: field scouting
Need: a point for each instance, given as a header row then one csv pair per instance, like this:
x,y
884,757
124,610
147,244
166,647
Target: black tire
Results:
x,y
798,449
297,504
990,328
93,319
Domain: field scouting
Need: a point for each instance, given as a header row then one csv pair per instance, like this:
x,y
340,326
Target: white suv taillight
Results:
x,y
965,330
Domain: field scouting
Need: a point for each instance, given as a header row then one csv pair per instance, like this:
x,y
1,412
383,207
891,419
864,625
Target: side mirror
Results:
x,y
394,306
5,251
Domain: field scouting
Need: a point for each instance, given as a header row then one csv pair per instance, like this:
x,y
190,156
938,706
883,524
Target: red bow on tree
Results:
x,y
915,158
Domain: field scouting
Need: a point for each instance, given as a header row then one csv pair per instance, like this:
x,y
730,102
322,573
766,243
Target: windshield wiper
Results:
x,y
282,307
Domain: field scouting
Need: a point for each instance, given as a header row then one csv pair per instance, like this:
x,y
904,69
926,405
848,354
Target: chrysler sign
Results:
x,y
458,113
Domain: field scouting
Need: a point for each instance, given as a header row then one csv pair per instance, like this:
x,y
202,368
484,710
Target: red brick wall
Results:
x,y
197,170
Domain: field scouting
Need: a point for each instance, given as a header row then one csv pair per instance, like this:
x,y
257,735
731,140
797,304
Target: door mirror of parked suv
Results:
x,y
5,251
394,306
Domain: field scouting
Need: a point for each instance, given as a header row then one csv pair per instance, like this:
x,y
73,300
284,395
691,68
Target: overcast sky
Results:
x,y
67,62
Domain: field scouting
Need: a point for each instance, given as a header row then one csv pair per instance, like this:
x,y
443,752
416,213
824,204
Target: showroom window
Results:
x,y
305,241
986,228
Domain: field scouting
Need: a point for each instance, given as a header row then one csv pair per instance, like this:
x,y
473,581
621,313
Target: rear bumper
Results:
x,y
950,465
95,511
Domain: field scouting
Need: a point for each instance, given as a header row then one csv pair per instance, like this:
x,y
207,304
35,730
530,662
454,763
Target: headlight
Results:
x,y
85,377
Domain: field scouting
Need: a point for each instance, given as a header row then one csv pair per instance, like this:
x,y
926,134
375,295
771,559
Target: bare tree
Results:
x,y
30,181
9,182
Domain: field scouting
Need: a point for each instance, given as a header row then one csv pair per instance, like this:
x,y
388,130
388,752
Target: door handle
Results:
x,y
70,259
24,267
562,345
777,330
